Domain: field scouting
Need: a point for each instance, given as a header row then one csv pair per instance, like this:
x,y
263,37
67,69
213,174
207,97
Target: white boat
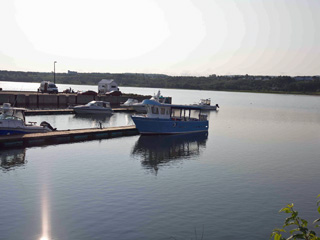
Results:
x,y
129,102
93,107
205,104
141,108
12,121
170,119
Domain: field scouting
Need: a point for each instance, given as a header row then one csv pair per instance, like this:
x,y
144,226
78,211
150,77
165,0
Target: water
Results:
x,y
261,153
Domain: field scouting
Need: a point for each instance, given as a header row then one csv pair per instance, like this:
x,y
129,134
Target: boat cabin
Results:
x,y
10,113
98,104
173,112
205,101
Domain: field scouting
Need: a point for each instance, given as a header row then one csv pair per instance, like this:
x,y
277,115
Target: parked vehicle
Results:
x,y
47,87
89,92
114,93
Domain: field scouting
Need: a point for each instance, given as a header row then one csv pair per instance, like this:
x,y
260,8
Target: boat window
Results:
x,y
163,111
8,117
154,110
187,113
194,113
175,112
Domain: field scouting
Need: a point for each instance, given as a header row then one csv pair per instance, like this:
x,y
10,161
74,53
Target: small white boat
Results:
x,y
170,119
129,102
141,108
94,107
205,104
12,121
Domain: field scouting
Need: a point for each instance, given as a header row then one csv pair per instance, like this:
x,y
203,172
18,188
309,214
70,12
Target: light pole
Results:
x,y
54,72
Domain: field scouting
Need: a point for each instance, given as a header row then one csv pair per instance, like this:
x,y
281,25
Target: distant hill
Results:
x,y
281,84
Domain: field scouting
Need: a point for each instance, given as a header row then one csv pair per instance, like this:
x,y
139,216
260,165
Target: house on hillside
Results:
x,y
107,85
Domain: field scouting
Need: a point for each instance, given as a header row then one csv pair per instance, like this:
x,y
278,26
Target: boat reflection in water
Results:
x,y
10,159
159,150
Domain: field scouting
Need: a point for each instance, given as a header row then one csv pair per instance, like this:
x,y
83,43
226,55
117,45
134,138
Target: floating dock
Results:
x,y
65,136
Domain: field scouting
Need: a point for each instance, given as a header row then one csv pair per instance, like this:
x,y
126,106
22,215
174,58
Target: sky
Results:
x,y
174,37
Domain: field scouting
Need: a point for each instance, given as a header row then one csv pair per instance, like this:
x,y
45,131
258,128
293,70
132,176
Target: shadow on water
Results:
x,y
158,150
93,119
10,159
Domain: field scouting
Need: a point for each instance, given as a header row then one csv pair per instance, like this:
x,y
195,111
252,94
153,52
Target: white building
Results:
x,y
107,85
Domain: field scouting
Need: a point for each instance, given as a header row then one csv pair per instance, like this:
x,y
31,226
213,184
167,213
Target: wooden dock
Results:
x,y
66,136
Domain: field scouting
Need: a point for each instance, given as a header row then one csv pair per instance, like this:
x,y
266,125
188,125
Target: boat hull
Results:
x,y
168,126
14,131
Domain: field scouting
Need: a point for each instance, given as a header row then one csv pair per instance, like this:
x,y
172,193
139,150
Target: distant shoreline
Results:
x,y
302,85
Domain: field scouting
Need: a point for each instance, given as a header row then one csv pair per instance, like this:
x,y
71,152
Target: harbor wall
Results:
x,y
61,100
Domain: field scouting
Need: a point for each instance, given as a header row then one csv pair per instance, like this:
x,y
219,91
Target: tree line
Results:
x,y
284,84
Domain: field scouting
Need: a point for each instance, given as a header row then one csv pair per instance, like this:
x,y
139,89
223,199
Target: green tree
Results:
x,y
301,231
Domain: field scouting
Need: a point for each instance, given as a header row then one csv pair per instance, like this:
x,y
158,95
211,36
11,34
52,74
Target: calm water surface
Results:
x,y
261,152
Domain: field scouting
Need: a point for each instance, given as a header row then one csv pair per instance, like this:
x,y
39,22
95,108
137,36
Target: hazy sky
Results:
x,y
175,37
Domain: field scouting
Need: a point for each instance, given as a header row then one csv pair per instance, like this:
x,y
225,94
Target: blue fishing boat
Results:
x,y
170,119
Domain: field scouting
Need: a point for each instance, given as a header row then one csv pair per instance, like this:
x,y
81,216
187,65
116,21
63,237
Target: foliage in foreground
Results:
x,y
300,231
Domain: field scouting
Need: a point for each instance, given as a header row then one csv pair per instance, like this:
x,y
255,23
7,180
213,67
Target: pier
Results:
x,y
65,136
35,100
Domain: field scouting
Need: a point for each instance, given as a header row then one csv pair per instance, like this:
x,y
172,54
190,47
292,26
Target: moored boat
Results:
x,y
94,107
170,119
12,121
129,102
205,104
141,108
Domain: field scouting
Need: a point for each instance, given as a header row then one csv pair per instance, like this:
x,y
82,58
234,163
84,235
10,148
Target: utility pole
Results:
x,y
54,72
